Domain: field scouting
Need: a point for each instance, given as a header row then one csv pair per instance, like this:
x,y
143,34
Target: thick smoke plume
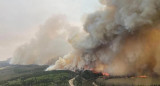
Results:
x,y
48,45
122,38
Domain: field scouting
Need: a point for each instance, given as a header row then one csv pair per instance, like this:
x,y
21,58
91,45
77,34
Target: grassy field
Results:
x,y
136,81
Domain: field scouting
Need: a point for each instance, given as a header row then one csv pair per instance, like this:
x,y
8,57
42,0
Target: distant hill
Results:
x,y
12,71
4,63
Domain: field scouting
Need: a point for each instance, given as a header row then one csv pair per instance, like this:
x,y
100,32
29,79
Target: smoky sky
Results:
x,y
21,19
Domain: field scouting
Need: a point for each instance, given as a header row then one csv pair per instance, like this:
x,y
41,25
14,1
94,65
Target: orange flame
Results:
x,y
143,76
105,74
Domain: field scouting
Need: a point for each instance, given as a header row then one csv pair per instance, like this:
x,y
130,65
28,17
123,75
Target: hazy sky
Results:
x,y
20,19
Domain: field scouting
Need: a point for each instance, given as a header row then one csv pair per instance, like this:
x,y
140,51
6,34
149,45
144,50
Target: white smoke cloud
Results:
x,y
49,43
115,39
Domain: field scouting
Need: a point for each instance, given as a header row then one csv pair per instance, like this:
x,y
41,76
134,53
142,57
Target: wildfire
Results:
x,y
143,76
105,74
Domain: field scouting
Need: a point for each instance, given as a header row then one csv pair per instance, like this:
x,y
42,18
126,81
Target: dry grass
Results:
x,y
129,82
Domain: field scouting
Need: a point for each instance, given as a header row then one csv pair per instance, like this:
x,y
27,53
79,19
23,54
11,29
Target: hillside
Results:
x,y
4,63
33,75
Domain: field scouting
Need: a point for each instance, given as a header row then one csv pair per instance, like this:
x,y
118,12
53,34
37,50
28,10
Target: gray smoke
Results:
x,y
121,38
48,45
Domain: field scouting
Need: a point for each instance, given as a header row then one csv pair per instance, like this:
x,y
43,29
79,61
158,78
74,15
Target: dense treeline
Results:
x,y
51,78
34,75
86,78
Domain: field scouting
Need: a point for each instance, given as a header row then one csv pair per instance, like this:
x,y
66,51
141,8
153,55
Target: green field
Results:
x,y
136,81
